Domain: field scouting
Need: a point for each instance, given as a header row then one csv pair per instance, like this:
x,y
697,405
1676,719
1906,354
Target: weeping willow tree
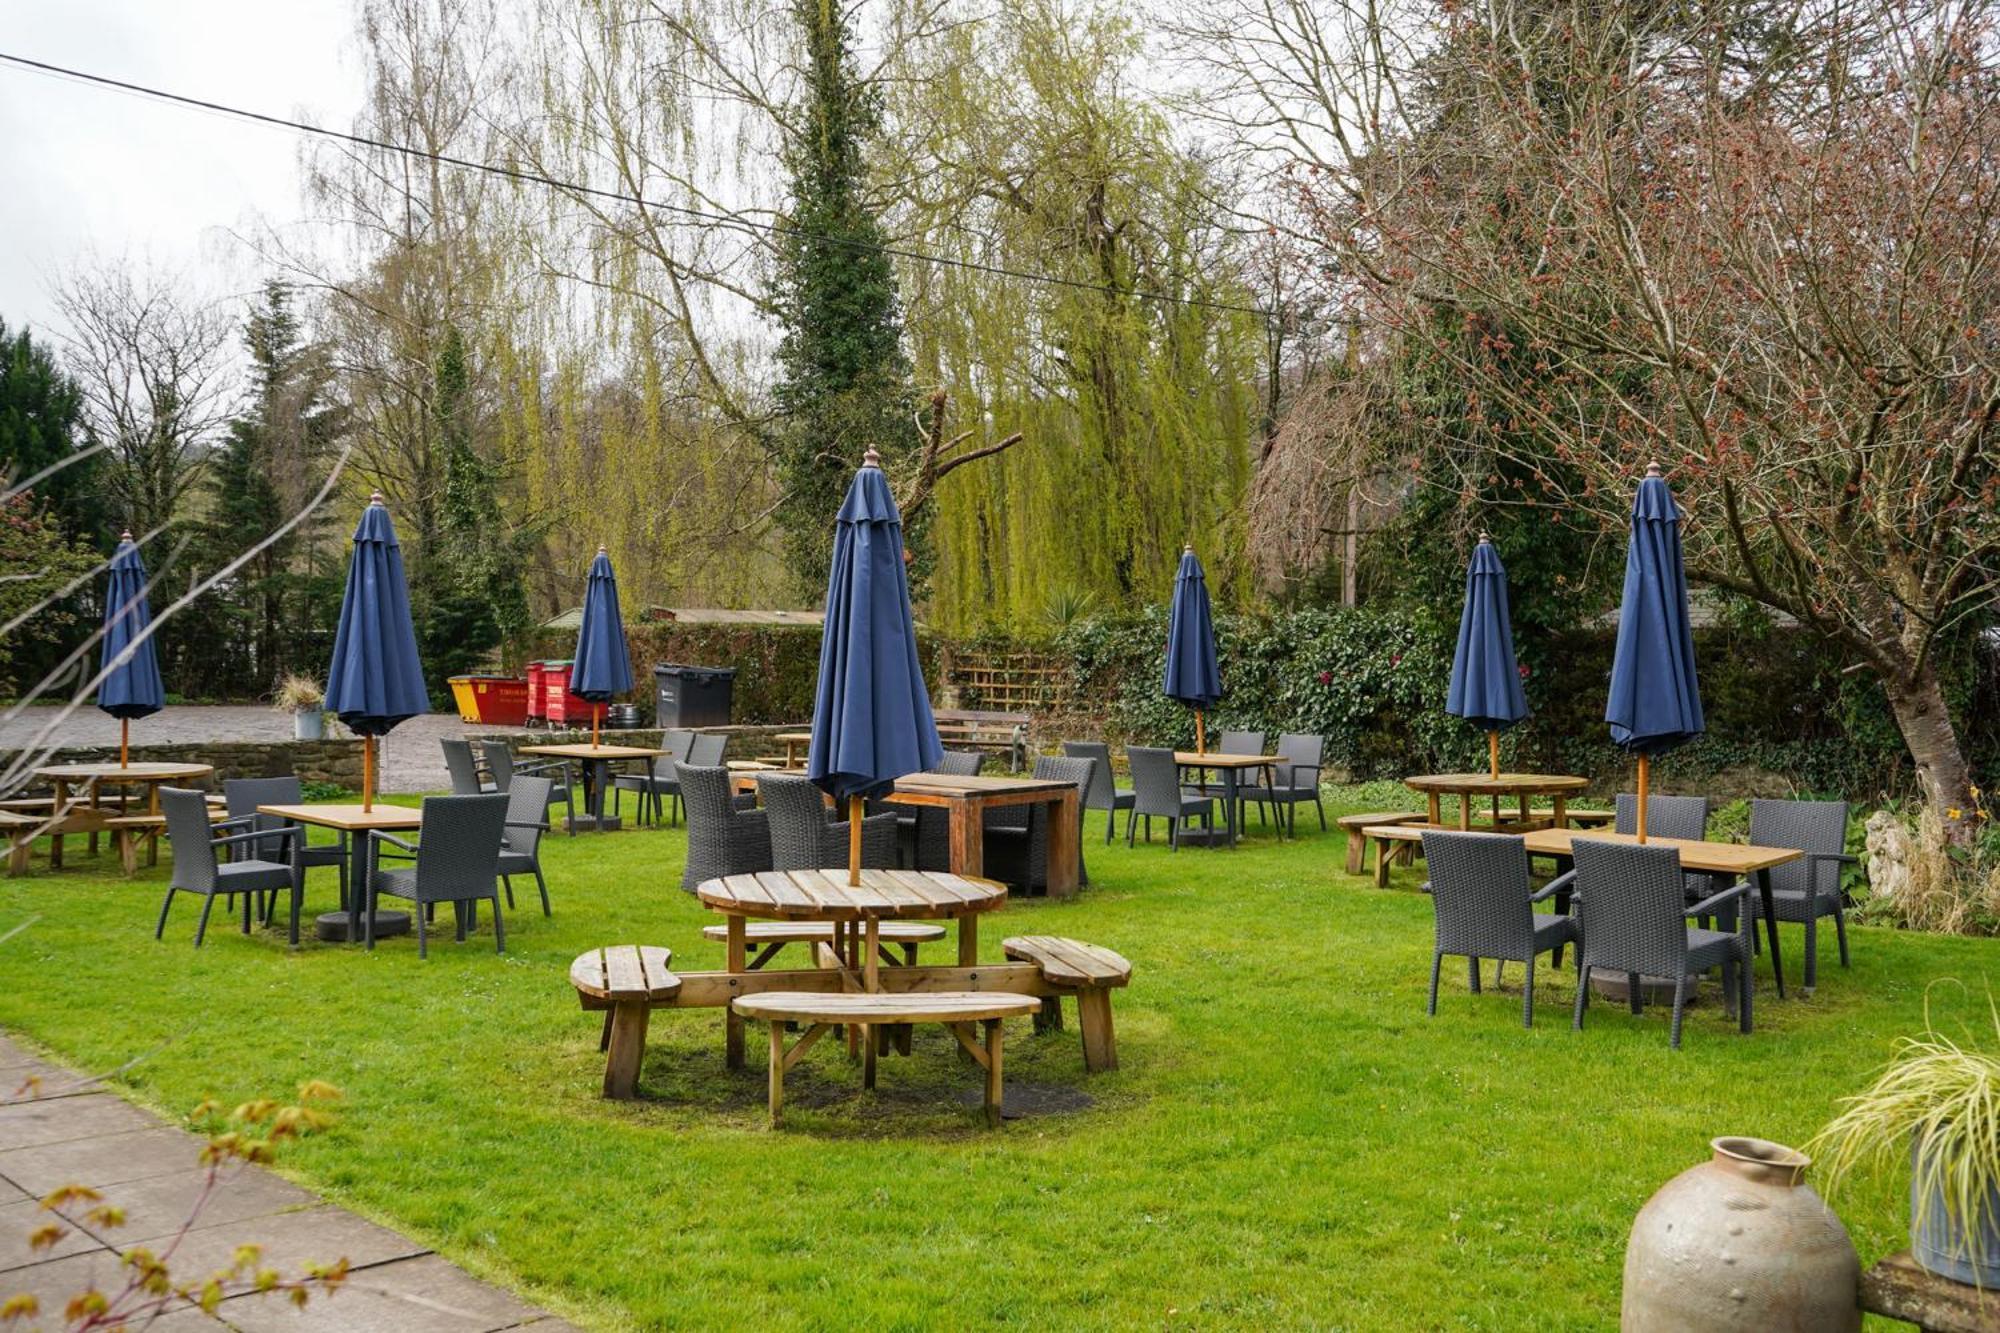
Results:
x,y
1029,147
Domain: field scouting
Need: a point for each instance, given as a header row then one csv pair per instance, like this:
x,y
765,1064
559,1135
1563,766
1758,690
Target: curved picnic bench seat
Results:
x,y
625,979
771,936
957,1010
1357,841
1088,971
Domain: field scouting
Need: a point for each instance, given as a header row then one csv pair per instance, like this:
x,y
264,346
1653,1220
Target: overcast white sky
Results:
x,y
85,168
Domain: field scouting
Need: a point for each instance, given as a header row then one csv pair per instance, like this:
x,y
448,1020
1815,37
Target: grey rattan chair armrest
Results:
x,y
378,835
1707,906
239,821
543,767
1842,858
1563,881
289,831
527,824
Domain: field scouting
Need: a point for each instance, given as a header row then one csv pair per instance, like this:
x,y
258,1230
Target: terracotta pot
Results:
x,y
1740,1242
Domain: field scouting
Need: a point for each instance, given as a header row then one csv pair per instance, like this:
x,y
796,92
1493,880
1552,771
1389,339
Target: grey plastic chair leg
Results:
x,y
201,927
543,885
508,880
1437,964
1812,945
1840,929
1528,995
161,929
1472,974
1582,995
1680,1003
1635,992
499,928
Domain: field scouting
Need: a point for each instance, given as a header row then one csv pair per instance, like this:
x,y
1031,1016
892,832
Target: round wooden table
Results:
x,y
856,911
1521,787
89,815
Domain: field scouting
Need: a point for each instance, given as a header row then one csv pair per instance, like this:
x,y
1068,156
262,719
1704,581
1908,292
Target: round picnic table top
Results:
x,y
1507,784
825,895
133,773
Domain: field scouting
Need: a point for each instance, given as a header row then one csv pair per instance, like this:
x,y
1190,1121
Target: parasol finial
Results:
x,y
125,536
1188,549
376,499
871,458
602,549
1653,470
1485,539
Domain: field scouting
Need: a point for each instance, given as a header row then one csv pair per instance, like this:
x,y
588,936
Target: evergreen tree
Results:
x,y
844,378
41,423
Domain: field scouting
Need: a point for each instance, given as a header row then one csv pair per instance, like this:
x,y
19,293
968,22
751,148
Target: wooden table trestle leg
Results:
x,y
871,981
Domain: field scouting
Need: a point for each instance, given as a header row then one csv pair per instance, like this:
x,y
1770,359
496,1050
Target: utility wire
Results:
x,y
521,176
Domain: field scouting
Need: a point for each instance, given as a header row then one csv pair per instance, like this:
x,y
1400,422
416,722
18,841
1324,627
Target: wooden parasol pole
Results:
x,y
1200,736
854,808
1645,781
124,742
596,716
367,774
1493,753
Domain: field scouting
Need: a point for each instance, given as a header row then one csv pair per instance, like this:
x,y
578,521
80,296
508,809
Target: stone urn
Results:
x,y
1740,1242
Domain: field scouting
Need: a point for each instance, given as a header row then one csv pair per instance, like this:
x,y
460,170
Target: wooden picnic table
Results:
x,y
967,799
1521,787
77,805
596,761
856,912
1231,768
795,743
357,823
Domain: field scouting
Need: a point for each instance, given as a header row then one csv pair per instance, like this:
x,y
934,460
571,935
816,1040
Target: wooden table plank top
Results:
x,y
1719,858
794,738
134,773
351,818
1507,784
825,895
948,784
1210,759
593,751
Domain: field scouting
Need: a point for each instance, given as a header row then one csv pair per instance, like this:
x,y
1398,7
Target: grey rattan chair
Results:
x,y
1484,902
466,778
521,843
1633,912
656,784
197,869
1804,891
1666,816
805,835
1157,790
1017,836
456,861
929,831
1296,780
722,838
1103,793
501,762
242,796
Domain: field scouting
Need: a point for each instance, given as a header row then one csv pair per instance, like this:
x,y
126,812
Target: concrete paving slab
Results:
x,y
19,1221
426,1295
29,1124
108,1159
159,1206
290,1241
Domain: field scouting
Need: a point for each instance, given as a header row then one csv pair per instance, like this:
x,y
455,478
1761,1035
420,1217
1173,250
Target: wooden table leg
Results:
x,y
968,838
1559,809
1382,853
1771,928
968,940
628,1047
1464,812
994,1085
871,981
777,1071
1100,1044
1065,849
732,1022
1434,807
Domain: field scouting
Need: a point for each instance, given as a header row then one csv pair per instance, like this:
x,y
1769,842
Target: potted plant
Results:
x,y
1939,1103
302,697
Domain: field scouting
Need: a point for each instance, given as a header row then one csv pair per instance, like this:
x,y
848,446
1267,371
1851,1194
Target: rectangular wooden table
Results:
x,y
1231,767
596,761
967,799
795,743
1732,860
357,823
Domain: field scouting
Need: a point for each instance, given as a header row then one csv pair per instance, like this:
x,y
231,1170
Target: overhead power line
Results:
x,y
526,177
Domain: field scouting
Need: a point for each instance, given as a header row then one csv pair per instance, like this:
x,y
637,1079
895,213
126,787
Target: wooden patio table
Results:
x,y
1732,860
79,792
596,761
967,799
794,743
856,912
1231,767
357,823
1522,787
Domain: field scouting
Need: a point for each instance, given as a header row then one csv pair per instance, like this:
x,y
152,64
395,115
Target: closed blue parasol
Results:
x,y
130,686
1485,681
1192,676
376,679
872,718
1655,700
602,668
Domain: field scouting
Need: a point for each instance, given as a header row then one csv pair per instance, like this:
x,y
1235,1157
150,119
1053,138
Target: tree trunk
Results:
x,y
1917,701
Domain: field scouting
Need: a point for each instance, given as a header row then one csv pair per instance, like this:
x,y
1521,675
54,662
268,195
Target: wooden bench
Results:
x,y
1592,818
1087,971
1357,845
626,979
19,829
957,1010
775,935
983,729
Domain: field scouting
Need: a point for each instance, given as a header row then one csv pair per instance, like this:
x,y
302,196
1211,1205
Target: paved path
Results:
x,y
71,1135
410,757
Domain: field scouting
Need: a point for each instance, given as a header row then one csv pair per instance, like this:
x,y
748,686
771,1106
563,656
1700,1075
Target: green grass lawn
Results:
x,y
1289,1141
